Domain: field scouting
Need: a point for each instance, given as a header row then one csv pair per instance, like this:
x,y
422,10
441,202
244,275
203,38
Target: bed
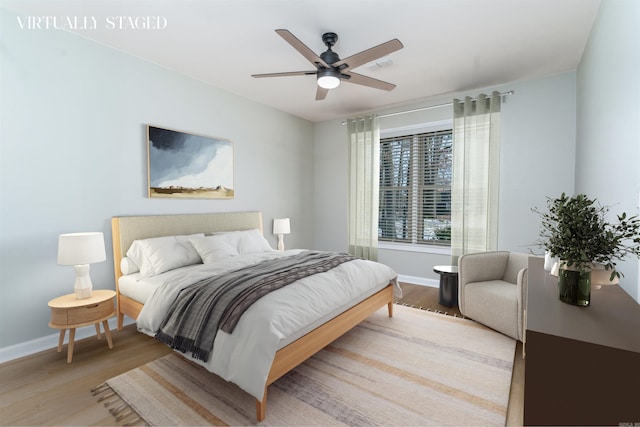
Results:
x,y
140,297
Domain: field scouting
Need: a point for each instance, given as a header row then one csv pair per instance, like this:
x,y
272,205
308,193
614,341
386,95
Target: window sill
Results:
x,y
415,248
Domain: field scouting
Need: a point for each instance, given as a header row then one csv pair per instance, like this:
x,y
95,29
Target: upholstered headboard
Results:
x,y
126,229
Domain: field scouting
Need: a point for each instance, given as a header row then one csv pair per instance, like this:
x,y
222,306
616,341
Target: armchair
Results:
x,y
492,290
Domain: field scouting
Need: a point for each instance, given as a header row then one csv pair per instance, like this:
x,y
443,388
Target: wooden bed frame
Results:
x,y
126,229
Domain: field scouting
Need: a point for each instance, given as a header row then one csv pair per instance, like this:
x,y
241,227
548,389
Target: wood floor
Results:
x,y
425,298
42,389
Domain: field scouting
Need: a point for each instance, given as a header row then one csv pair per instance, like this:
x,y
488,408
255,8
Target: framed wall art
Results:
x,y
184,165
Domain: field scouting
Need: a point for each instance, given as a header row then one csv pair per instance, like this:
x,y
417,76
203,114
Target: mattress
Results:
x,y
277,319
139,288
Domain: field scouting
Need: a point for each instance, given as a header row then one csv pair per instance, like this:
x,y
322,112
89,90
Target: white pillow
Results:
x,y
252,241
212,248
224,245
159,254
127,266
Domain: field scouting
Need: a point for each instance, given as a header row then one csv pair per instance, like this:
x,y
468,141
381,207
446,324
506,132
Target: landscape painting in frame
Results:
x,y
183,165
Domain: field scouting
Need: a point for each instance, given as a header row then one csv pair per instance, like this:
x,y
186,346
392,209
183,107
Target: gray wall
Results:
x,y
577,132
537,160
73,154
608,119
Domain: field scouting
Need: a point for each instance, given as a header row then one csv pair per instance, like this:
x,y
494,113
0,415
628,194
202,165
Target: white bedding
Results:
x,y
138,287
277,319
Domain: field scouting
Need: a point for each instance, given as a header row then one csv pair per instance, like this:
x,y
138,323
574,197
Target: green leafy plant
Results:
x,y
575,230
443,233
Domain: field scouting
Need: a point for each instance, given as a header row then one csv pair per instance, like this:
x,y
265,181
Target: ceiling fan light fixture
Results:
x,y
328,78
330,69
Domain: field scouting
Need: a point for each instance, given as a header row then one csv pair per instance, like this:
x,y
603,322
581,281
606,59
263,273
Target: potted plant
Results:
x,y
576,231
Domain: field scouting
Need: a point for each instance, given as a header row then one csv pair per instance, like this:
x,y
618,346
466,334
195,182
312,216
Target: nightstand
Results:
x,y
68,312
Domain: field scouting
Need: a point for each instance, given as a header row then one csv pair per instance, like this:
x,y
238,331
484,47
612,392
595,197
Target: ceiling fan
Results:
x,y
331,70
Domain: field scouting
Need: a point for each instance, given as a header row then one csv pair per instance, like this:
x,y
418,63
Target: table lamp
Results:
x,y
281,226
80,250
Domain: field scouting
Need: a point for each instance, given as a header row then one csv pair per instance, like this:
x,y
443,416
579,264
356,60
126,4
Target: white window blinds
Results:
x,y
415,188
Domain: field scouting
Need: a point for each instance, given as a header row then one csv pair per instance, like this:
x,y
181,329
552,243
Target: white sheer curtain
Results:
x,y
364,176
476,175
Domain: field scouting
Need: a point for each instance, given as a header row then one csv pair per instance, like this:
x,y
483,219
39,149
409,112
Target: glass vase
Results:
x,y
574,287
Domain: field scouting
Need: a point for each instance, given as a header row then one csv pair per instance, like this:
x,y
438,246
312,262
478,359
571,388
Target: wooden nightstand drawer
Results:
x,y
89,313
68,310
59,316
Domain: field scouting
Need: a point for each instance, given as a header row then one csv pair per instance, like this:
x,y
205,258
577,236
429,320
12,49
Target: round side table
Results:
x,y
68,312
448,294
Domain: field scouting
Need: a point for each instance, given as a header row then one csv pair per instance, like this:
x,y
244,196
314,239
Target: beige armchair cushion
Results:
x,y
492,290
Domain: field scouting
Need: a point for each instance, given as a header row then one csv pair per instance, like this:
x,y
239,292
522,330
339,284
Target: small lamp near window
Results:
x,y
81,250
281,226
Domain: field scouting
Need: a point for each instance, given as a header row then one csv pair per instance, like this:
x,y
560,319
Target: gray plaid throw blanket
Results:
x,y
218,302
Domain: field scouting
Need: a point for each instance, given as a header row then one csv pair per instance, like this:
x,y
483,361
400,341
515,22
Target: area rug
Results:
x,y
417,368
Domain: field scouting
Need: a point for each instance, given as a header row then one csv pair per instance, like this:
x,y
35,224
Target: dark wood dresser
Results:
x,y
582,364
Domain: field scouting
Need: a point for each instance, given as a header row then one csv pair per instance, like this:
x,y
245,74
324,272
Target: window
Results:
x,y
415,188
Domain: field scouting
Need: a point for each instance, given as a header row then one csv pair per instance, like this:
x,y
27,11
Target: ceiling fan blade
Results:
x,y
302,48
321,93
288,73
359,79
369,55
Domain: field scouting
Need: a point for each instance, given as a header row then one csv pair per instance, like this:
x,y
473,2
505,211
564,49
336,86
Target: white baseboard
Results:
x,y
423,281
51,341
37,345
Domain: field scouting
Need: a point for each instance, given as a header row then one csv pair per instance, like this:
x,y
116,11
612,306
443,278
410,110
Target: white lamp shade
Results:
x,y
281,226
81,248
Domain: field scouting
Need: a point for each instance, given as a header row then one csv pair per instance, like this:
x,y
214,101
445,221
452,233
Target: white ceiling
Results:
x,y
449,45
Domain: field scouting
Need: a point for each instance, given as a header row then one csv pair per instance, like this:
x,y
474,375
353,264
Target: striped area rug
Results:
x,y
417,368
